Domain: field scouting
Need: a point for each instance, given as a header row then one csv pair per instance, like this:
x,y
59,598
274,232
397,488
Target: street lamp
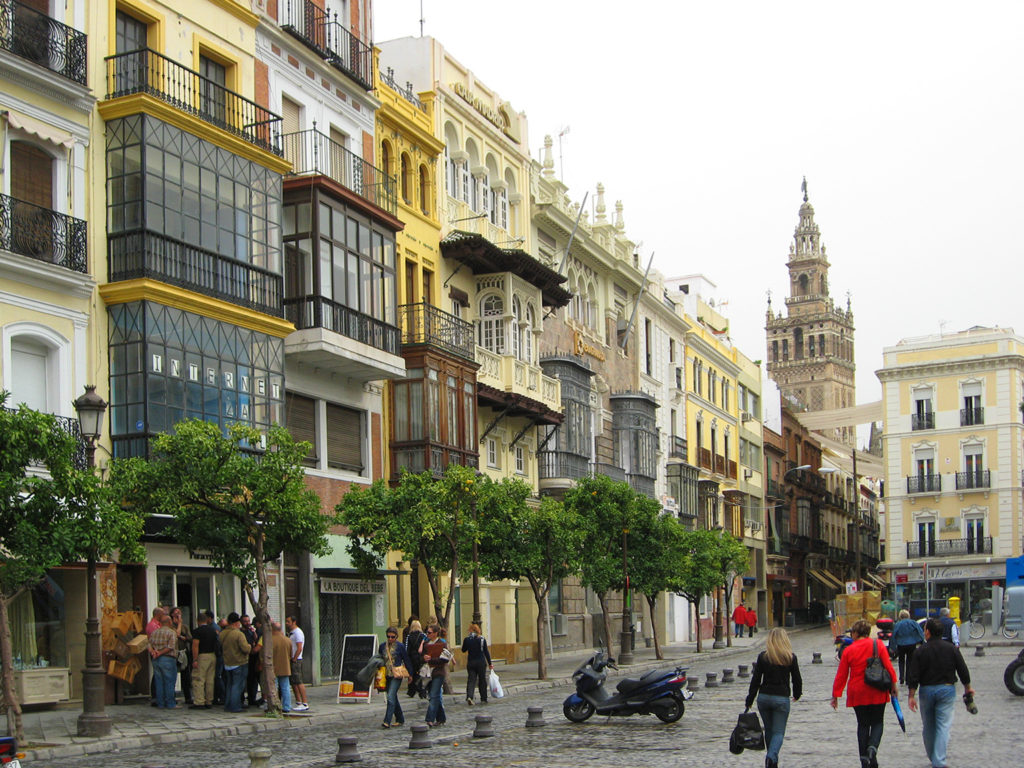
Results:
x,y
625,634
94,721
476,560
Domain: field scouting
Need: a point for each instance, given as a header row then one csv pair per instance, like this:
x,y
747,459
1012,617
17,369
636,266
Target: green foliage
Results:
x,y
606,509
730,557
659,542
698,575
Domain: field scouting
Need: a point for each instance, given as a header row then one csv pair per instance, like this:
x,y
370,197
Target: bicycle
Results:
x,y
976,630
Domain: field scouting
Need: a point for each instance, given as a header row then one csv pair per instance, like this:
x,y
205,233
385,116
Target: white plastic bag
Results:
x,y
496,690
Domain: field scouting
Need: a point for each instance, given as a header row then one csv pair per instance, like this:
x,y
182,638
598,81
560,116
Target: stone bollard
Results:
x,y
727,676
483,728
692,683
744,670
535,717
979,650
419,739
347,752
712,681
816,658
259,757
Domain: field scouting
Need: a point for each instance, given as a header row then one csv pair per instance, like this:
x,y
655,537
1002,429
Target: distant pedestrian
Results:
x,y
739,619
868,703
184,634
163,649
254,637
235,650
775,671
751,622
282,650
478,663
437,655
934,668
394,655
950,631
414,647
298,640
204,662
906,636
408,626
154,623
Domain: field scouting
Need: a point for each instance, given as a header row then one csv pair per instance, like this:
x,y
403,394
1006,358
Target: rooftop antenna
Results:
x,y
561,168
421,18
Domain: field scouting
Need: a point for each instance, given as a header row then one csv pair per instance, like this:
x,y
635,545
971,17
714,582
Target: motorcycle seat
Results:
x,y
632,683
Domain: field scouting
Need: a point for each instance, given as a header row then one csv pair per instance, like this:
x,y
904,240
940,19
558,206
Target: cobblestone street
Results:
x,y
816,735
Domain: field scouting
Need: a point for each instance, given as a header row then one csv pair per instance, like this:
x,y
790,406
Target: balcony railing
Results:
x,y
975,545
65,424
138,254
320,312
976,479
922,421
423,455
642,484
970,417
329,39
407,93
780,547
312,152
732,469
146,71
720,464
562,464
42,234
924,484
774,489
424,323
677,447
32,35
609,470
704,458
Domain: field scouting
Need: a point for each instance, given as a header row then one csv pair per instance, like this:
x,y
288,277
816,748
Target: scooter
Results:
x,y
660,692
885,627
1013,677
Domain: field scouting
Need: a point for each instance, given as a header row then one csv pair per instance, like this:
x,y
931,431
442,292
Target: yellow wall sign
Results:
x,y
582,348
498,117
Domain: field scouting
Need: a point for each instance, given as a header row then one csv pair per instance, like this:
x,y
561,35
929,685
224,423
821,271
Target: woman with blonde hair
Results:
x,y
775,669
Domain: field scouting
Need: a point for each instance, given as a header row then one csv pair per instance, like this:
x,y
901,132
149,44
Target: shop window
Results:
x,y
37,617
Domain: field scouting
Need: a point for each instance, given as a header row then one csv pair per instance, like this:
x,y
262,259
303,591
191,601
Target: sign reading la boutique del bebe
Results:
x,y
351,587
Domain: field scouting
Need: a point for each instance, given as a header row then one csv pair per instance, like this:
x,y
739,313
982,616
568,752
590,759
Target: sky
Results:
x,y
906,118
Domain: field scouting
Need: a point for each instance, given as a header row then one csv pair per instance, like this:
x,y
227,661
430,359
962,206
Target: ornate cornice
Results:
x,y
945,368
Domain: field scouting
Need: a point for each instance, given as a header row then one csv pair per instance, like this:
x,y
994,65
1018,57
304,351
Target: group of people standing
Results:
x,y
930,676
744,618
220,661
428,662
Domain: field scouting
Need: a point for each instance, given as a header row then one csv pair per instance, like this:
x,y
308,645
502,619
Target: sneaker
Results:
x,y
300,707
469,702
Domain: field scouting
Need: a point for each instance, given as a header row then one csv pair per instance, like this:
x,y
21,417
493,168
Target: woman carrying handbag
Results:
x,y
861,667
396,666
776,676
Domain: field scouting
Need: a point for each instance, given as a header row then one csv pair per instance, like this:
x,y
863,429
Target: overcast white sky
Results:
x,y
907,119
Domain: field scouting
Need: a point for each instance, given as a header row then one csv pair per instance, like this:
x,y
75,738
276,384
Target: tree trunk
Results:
x,y
651,600
15,724
541,595
696,624
603,598
728,614
263,616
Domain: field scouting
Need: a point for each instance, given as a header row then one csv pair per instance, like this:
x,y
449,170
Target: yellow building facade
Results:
x,y
953,441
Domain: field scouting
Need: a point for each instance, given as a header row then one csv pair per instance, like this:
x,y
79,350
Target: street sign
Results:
x,y
851,587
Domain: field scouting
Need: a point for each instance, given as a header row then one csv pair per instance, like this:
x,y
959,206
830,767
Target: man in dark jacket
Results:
x,y
934,668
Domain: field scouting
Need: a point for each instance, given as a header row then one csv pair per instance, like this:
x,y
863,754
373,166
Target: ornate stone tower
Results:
x,y
810,350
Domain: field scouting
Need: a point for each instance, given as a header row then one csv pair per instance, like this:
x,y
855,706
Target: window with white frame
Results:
x,y
36,368
923,415
517,329
492,324
972,412
528,335
492,453
520,460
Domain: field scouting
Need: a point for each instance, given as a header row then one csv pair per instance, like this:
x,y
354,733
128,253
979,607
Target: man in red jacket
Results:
x,y
739,618
751,619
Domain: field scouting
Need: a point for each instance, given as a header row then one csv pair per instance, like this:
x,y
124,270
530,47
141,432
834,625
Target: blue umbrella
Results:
x,y
899,712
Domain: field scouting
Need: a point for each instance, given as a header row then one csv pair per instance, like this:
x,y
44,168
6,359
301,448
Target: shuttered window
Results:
x,y
290,116
344,438
301,421
31,174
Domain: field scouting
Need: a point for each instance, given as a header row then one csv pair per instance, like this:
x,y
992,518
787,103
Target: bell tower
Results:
x,y
810,349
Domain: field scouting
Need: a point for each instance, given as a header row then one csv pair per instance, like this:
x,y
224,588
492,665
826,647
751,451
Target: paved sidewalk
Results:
x,y
52,732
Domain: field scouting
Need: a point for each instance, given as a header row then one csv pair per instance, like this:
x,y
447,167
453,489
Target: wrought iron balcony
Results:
x,y
677,448
32,35
924,420
977,479
774,490
69,425
424,323
562,464
924,484
148,72
642,484
313,153
406,92
329,40
610,470
970,417
139,253
975,545
778,547
320,312
42,234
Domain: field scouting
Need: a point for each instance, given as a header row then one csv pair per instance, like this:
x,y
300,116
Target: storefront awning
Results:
x,y
874,581
826,578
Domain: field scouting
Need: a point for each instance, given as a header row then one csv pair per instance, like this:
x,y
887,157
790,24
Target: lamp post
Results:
x,y
94,721
625,634
477,618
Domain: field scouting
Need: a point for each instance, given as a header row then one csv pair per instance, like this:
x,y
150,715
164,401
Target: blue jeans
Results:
x,y
774,714
284,690
394,707
165,675
435,709
937,704
234,684
739,629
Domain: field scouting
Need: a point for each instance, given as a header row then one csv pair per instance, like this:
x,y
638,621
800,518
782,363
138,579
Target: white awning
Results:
x,y
39,129
841,455
841,417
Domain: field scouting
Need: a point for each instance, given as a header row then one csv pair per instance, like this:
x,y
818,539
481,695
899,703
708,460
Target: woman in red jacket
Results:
x,y
867,702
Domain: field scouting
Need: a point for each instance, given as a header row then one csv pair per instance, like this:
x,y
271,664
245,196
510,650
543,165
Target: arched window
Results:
x,y
424,190
406,180
517,330
385,158
528,335
492,324
803,285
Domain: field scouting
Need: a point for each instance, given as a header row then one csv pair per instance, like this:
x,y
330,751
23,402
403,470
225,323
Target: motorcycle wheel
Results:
x,y
1014,678
577,713
672,712
1009,634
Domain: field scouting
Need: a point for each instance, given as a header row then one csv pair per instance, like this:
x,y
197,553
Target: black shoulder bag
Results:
x,y
875,674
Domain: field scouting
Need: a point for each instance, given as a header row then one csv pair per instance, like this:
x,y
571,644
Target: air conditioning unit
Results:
x,y
746,416
558,624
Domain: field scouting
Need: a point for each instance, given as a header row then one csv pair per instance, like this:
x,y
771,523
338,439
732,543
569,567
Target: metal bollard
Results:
x,y
727,676
535,717
712,681
979,650
816,658
744,670
347,752
692,683
259,757
419,739
483,728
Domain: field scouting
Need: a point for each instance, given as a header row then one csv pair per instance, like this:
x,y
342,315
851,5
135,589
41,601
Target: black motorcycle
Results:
x,y
1013,677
